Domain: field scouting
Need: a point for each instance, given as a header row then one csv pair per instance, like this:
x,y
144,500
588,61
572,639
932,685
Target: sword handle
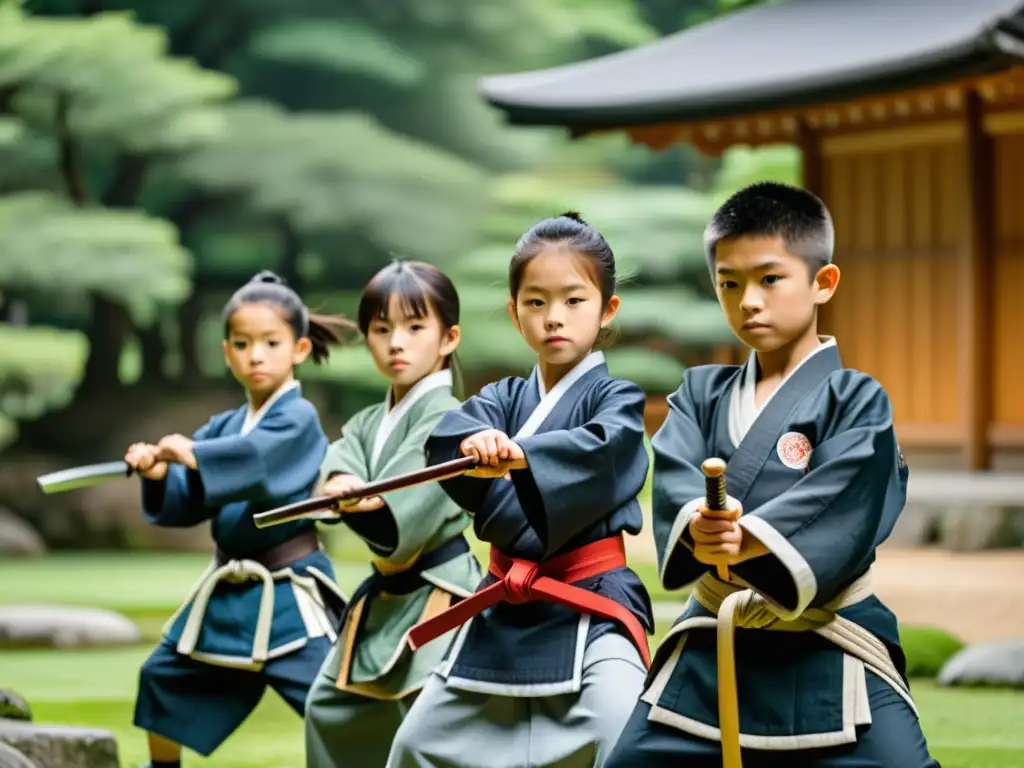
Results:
x,y
715,495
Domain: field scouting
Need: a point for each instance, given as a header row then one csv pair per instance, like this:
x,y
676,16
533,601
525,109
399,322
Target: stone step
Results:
x,y
60,746
974,489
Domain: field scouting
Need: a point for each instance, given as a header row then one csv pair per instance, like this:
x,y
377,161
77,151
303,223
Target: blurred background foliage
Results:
x,y
154,155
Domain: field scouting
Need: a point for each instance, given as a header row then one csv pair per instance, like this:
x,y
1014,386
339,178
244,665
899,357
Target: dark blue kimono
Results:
x,y
252,619
587,462
821,480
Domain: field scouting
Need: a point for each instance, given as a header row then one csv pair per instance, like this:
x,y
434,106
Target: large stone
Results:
x,y
64,627
18,538
999,663
968,529
59,746
12,758
917,526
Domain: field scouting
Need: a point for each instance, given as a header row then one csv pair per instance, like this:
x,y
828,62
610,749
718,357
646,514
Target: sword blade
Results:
x,y
82,477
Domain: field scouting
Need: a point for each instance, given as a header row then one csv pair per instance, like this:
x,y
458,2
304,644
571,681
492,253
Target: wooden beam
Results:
x,y
902,137
977,266
912,108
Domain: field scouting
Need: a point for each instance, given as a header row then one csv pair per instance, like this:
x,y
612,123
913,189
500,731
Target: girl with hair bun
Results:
x,y
265,611
552,650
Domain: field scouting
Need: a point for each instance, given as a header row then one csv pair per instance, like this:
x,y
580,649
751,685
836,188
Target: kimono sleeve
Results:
x,y
278,462
347,455
678,487
410,517
486,410
178,501
498,517
822,532
576,477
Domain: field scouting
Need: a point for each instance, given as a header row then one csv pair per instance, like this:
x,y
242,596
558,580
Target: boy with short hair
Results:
x,y
810,654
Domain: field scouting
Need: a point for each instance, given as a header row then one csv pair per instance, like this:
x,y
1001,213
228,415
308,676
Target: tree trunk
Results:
x,y
291,250
153,348
107,335
189,314
13,308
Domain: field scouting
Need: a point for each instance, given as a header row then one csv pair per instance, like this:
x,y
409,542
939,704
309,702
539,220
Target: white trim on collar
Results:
x,y
548,400
393,415
743,411
252,418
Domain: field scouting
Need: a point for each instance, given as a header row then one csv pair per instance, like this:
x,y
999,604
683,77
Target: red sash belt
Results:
x,y
522,581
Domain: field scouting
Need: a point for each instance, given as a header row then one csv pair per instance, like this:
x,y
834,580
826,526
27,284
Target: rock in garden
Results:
x,y
12,758
18,538
999,663
59,746
64,627
917,526
13,707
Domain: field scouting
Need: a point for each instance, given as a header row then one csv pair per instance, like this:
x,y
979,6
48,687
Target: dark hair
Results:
x,y
771,209
571,230
568,229
323,331
418,286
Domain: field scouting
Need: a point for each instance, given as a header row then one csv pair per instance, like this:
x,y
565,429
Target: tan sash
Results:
x,y
736,607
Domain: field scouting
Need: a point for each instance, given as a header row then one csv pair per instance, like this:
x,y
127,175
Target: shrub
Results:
x,y
927,649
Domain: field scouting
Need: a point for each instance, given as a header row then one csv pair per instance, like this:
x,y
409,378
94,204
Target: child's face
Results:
x,y
558,309
261,348
406,348
768,295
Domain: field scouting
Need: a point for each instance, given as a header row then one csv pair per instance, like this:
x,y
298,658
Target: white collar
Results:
x,y
252,418
394,414
548,400
743,411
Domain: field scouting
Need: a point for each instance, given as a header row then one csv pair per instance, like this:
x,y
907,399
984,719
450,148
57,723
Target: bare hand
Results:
x,y
176,449
719,540
716,541
341,484
142,458
496,454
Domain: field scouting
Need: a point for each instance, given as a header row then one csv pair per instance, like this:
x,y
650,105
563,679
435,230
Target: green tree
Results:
x,y
104,87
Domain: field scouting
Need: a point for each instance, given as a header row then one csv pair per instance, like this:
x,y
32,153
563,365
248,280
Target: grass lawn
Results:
x,y
965,728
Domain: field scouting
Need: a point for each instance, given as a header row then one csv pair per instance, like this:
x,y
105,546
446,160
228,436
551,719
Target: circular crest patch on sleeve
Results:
x,y
794,450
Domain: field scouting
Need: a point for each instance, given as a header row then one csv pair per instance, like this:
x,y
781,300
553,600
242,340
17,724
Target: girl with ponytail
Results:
x,y
265,611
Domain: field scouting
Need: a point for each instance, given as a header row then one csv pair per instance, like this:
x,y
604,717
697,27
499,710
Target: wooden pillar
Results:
x,y
976,271
811,166
812,178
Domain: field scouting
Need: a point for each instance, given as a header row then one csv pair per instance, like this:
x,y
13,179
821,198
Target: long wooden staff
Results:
x,y
310,507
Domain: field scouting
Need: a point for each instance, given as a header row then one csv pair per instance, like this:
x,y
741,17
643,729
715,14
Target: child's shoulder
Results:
x,y
613,386
848,385
503,389
706,382
299,407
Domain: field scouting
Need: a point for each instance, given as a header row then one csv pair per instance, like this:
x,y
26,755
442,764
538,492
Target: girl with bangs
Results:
x,y
421,562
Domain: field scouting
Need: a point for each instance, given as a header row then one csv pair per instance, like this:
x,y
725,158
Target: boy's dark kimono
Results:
x,y
818,664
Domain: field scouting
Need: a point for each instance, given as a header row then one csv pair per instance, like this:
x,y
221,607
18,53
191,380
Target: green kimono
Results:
x,y
421,563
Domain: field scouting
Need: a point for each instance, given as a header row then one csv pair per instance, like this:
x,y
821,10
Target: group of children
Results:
x,y
782,655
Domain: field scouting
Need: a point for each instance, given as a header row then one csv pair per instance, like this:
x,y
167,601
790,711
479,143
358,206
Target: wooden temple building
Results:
x,y
910,118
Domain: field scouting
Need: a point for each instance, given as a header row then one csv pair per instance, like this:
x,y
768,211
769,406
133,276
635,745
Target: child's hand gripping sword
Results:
x,y
716,499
